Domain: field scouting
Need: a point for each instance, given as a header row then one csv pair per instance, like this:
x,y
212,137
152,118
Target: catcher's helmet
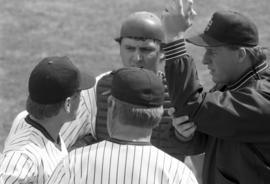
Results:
x,y
142,25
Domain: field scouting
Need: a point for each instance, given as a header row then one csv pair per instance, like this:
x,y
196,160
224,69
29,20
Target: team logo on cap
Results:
x,y
209,24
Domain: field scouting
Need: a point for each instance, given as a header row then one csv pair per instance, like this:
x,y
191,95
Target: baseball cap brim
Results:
x,y
204,40
86,81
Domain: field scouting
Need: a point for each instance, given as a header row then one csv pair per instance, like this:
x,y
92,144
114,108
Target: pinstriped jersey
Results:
x,y
29,155
85,119
161,135
121,162
82,125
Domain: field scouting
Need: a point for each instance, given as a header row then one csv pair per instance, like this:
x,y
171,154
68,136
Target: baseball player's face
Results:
x,y
222,63
140,53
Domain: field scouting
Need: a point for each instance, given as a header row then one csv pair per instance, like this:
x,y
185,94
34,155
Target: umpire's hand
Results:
x,y
176,19
184,129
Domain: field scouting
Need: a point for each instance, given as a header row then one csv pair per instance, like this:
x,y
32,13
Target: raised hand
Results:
x,y
176,19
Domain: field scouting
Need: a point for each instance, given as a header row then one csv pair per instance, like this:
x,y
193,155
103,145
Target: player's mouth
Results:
x,y
138,66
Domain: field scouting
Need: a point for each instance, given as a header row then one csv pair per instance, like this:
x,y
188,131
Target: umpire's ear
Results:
x,y
242,54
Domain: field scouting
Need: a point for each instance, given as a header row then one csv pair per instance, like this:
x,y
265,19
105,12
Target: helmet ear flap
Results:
x,y
142,25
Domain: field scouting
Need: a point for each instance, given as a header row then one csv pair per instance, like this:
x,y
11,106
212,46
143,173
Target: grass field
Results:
x,y
84,31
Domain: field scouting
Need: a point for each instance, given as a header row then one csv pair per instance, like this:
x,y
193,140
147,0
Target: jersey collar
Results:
x,y
39,127
251,73
125,142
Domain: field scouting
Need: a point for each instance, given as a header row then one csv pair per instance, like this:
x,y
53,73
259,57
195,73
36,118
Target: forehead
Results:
x,y
138,42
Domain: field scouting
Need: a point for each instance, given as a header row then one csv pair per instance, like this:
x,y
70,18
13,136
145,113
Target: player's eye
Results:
x,y
130,48
146,49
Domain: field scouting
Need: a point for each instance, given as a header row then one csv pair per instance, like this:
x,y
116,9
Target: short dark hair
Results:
x,y
42,111
138,116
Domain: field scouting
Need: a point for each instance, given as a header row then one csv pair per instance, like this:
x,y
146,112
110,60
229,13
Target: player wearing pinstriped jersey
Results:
x,y
116,161
146,29
30,154
84,124
34,147
134,109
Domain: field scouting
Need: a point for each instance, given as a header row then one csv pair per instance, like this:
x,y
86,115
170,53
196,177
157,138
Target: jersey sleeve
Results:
x,y
240,115
18,168
85,122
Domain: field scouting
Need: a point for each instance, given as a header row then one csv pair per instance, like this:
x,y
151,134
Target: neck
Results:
x,y
52,125
131,133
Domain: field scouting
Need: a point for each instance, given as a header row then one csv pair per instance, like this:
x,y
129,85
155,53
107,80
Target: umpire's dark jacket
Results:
x,y
233,123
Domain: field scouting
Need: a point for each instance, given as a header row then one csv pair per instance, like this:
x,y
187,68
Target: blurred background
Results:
x,y
84,31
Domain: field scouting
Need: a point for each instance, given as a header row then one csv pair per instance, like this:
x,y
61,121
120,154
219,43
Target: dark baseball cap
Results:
x,y
55,78
227,28
137,86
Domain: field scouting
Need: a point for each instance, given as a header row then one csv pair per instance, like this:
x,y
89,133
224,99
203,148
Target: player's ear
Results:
x,y
110,101
67,104
161,52
162,56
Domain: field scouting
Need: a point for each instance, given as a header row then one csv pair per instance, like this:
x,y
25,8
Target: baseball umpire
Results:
x,y
232,121
34,147
134,109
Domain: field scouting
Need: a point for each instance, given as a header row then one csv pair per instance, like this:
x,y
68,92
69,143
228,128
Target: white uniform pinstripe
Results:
x,y
71,131
29,156
86,117
110,162
20,130
85,121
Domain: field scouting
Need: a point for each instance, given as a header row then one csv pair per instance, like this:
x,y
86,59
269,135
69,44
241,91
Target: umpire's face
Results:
x,y
224,63
140,53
